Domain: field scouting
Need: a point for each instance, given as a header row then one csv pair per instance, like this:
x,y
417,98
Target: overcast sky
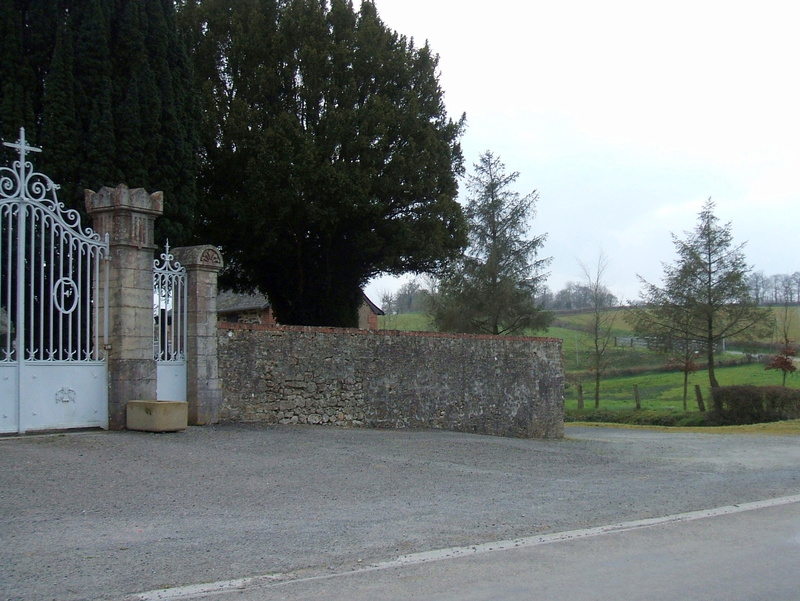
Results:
x,y
626,116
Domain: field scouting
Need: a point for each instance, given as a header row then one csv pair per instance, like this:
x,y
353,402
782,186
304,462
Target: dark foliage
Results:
x,y
105,88
328,157
736,405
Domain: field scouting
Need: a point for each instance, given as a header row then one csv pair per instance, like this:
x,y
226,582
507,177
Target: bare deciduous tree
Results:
x,y
598,333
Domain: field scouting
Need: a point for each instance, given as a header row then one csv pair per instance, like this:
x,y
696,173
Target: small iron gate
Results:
x,y
169,327
53,313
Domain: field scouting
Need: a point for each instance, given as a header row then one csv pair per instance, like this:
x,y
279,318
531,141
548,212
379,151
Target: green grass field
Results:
x,y
578,321
785,428
406,322
664,391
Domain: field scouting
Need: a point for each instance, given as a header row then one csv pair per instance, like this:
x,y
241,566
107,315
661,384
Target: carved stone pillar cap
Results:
x,y
204,256
122,197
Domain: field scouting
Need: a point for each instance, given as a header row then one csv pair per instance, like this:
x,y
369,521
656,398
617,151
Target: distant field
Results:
x,y
659,391
579,321
664,391
794,324
658,387
420,322
406,322
568,326
621,328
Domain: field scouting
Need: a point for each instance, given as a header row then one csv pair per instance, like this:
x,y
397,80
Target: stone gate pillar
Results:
x,y
128,217
203,387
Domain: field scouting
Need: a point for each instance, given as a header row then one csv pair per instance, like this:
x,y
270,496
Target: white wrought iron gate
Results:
x,y
169,327
53,312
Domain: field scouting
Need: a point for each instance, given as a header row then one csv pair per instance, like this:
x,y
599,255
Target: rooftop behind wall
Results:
x,y
499,385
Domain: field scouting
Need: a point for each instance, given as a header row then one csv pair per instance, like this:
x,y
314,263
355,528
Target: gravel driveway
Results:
x,y
102,515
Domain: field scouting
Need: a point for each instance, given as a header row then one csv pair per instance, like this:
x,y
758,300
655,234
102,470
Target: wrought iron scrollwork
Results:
x,y
169,308
21,182
52,277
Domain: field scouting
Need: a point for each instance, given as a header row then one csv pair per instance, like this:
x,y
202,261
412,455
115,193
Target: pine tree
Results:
x,y
492,290
104,117
705,296
60,131
17,81
94,86
175,114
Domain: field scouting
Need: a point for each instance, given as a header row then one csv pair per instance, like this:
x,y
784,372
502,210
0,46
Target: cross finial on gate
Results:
x,y
22,146
20,181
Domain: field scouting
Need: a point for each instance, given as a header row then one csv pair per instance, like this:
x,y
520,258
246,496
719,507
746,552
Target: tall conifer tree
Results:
x,y
492,289
17,82
105,87
60,129
705,296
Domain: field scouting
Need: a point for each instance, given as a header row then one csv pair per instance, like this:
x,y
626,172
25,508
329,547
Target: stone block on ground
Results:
x,y
157,416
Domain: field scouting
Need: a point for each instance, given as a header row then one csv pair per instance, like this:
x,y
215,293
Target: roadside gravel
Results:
x,y
101,515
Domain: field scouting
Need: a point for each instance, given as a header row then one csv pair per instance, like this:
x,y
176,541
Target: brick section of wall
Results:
x,y
505,386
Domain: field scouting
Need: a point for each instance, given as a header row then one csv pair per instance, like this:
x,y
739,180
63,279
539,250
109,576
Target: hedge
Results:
x,y
737,405
637,417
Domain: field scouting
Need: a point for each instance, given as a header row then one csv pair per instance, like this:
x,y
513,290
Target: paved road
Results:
x,y
112,515
745,553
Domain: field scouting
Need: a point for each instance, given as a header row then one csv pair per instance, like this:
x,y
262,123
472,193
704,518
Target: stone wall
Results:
x,y
506,386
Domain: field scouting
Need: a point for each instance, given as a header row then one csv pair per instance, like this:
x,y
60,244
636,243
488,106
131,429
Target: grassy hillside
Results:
x,y
569,327
580,321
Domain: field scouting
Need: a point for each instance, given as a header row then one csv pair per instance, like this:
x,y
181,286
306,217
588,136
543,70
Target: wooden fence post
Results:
x,y
700,404
580,396
636,396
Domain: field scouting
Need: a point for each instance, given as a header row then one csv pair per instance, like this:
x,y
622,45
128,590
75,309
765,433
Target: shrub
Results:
x,y
637,417
736,405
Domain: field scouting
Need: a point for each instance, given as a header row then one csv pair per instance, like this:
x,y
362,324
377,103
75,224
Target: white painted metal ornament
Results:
x,y
170,305
169,308
52,309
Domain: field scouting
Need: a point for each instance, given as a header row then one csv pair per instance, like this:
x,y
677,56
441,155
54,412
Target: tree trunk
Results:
x,y
685,387
597,389
712,377
636,396
580,396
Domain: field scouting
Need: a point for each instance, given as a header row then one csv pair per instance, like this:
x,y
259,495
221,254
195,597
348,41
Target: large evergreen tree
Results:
x,y
492,289
105,87
328,155
18,86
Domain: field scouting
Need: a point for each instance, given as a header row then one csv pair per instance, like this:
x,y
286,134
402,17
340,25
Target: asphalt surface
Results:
x,y
109,515
749,552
